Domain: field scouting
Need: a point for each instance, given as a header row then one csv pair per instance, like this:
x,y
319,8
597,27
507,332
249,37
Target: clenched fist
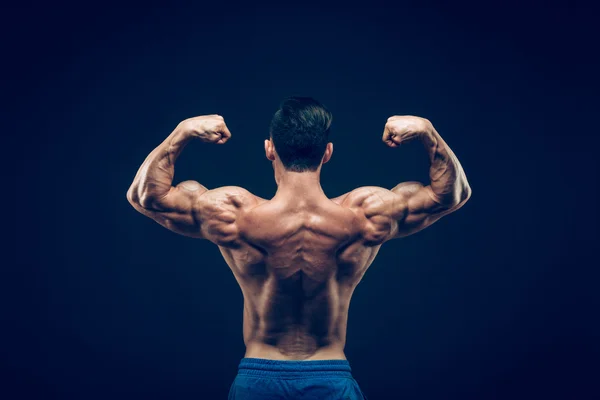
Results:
x,y
208,128
403,128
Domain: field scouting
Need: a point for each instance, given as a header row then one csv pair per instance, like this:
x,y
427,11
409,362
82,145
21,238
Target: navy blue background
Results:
x,y
496,301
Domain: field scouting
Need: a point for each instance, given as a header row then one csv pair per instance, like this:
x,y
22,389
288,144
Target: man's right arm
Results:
x,y
413,205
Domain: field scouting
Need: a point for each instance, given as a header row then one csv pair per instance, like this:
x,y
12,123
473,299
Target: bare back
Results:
x,y
297,267
297,261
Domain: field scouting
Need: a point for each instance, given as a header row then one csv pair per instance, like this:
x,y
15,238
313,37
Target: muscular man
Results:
x,y
299,256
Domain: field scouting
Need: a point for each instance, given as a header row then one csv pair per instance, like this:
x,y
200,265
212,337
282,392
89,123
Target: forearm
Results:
x,y
155,176
448,180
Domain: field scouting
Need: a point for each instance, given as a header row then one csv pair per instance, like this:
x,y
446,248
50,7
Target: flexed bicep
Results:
x,y
420,208
178,209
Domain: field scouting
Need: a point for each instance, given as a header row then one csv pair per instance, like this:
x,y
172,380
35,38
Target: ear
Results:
x,y
328,152
269,150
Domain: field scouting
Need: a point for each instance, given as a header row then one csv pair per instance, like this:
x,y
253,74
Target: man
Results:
x,y
299,256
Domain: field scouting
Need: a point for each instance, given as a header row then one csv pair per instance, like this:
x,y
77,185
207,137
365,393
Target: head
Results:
x,y
299,134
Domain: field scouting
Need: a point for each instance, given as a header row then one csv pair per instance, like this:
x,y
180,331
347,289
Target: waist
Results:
x,y
289,369
259,349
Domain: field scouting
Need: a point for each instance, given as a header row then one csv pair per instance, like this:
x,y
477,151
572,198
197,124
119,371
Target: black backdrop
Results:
x,y
496,301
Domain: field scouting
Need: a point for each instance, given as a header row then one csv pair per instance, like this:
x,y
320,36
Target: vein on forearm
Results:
x,y
445,169
155,176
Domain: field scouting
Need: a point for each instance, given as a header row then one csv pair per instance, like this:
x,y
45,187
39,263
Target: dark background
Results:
x,y
496,301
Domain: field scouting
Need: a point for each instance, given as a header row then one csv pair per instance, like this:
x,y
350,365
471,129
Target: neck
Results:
x,y
300,185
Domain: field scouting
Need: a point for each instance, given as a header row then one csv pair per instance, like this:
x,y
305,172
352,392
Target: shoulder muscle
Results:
x,y
379,208
219,210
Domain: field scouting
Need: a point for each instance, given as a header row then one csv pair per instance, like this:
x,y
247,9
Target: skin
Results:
x,y
299,256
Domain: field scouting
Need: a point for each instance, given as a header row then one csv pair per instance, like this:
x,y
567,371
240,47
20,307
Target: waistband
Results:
x,y
294,368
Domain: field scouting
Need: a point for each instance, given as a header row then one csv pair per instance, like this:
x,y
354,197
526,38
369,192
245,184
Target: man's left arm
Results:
x,y
177,208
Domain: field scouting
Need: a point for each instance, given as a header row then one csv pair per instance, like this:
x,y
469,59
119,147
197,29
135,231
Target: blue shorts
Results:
x,y
263,379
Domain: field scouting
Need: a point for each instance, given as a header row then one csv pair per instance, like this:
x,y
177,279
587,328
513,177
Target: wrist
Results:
x,y
427,133
185,129
180,136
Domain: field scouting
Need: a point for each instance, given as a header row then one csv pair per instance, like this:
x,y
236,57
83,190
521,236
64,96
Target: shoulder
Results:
x,y
220,211
370,199
378,208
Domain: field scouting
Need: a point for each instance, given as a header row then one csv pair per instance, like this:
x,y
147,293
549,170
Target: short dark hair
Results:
x,y
300,131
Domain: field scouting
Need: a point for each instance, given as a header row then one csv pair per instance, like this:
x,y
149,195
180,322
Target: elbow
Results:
x,y
132,196
465,195
460,197
137,201
140,200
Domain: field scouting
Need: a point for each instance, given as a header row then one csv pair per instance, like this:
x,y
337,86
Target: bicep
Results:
x,y
419,208
178,209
